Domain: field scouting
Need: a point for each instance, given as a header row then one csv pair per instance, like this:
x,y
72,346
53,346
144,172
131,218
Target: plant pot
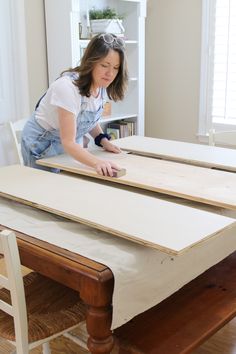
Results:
x,y
107,26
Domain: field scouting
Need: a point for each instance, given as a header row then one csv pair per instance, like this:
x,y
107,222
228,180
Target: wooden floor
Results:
x,y
223,342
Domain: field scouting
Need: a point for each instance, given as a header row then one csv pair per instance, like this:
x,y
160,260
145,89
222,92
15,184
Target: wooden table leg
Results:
x,y
97,294
98,321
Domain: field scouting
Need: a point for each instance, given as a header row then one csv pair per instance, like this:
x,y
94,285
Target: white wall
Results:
x,y
173,36
36,49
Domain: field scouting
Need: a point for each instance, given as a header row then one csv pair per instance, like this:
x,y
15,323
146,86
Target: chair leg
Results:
x,y
76,340
46,348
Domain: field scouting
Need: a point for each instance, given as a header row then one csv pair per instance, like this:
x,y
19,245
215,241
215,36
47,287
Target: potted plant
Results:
x,y
106,20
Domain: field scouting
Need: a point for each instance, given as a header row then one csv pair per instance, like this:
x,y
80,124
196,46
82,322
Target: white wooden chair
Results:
x,y
15,129
222,137
33,308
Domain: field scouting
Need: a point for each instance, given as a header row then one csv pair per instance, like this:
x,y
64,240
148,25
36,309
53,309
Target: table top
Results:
x,y
196,154
31,247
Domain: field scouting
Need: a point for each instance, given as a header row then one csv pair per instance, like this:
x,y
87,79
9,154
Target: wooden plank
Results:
x,y
183,321
148,220
195,154
185,181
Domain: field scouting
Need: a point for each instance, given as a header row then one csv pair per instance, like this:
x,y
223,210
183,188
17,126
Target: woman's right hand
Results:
x,y
106,168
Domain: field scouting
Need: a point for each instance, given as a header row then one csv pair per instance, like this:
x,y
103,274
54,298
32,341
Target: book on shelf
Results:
x,y
114,133
131,127
123,127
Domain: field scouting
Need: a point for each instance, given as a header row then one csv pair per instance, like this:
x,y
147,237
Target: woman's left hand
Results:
x,y
108,146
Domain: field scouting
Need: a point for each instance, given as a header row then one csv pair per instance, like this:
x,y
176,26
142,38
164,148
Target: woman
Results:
x,y
73,104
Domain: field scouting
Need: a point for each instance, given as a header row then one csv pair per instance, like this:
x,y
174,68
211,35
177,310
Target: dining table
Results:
x,y
194,235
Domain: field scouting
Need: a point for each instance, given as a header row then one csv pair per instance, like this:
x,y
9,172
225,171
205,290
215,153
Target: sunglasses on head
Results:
x,y
110,39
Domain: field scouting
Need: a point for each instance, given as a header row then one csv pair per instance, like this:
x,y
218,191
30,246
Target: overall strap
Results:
x,y
37,104
103,93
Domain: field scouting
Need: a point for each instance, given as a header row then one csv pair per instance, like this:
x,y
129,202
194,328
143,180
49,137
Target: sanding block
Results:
x,y
119,173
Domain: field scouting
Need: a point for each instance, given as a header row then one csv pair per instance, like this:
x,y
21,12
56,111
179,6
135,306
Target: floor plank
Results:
x,y
223,342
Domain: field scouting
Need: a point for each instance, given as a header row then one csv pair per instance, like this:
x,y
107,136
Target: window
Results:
x,y
218,66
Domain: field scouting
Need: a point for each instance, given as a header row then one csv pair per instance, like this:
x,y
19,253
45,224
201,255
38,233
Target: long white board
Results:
x,y
148,220
196,154
196,183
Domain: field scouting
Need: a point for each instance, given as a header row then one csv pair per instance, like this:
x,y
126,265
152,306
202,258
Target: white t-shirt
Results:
x,y
63,93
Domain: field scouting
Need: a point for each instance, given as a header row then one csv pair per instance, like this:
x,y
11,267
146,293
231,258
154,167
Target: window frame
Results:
x,y
205,120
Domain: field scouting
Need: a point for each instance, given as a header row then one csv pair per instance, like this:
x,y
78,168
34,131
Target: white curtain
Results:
x,y
14,93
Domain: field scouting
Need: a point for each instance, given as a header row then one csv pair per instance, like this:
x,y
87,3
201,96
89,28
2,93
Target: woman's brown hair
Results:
x,y
96,50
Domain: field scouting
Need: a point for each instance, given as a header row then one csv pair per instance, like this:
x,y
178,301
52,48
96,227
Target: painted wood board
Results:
x,y
148,220
196,154
196,183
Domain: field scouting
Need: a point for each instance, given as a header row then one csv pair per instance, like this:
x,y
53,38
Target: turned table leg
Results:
x,y
97,294
98,321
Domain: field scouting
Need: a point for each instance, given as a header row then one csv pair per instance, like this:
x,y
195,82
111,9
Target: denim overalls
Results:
x,y
37,142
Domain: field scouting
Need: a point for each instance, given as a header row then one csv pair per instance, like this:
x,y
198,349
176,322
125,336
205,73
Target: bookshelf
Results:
x,y
68,32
